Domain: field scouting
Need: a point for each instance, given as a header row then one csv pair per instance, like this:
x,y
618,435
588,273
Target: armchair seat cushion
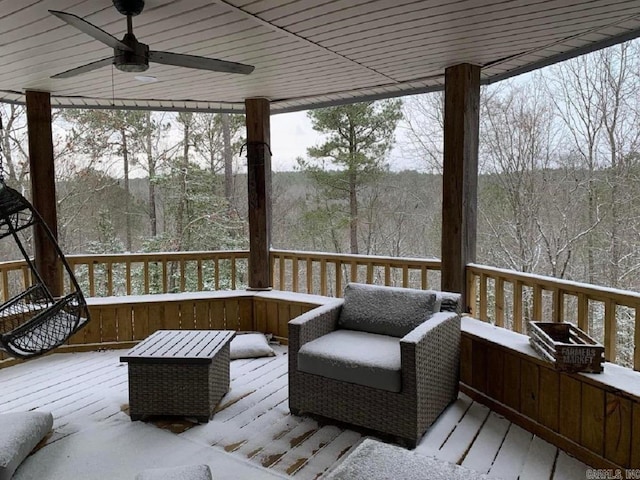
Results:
x,y
356,357
385,310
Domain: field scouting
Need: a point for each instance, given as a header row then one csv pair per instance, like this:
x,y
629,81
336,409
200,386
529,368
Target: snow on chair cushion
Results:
x,y
20,432
385,310
188,472
356,357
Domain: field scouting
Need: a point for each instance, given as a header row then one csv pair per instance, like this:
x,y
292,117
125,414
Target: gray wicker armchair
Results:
x,y
382,358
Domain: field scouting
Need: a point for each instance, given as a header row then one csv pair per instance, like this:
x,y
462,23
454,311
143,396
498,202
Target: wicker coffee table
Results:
x,y
179,372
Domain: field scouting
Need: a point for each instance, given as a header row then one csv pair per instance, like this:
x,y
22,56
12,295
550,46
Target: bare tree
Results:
x,y
423,128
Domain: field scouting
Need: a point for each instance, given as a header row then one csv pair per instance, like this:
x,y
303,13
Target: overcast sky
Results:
x,y
291,135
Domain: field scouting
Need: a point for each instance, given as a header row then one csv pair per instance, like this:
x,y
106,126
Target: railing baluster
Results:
x,y
424,282
323,277
309,275
200,279
483,297
405,276
610,333
387,274
145,274
233,272
92,280
128,277
183,276
216,268
5,285
517,306
354,271
282,272
338,278
109,267
583,313
165,277
295,272
26,277
472,294
557,311
499,285
537,303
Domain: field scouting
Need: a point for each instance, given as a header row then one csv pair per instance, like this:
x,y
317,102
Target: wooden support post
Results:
x,y
460,178
43,187
259,195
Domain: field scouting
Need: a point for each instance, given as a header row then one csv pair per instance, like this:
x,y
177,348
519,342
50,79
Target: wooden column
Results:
x,y
43,188
259,184
460,178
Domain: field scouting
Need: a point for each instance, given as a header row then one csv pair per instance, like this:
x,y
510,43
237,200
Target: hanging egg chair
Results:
x,y
34,321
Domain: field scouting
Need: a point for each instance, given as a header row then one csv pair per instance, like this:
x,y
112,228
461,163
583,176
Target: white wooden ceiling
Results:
x,y
307,53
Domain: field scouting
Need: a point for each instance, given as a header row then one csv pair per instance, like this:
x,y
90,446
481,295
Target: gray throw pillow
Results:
x,y
385,310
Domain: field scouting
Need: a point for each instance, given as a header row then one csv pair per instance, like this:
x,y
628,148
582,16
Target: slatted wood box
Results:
x,y
567,347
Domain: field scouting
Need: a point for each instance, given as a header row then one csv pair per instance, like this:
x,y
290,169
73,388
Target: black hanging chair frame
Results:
x,y
34,321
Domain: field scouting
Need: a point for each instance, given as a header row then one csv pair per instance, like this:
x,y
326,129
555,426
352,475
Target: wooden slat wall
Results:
x,y
115,325
136,321
272,316
598,424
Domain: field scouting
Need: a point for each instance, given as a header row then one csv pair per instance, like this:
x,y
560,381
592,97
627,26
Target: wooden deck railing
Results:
x,y
326,273
503,297
510,299
143,273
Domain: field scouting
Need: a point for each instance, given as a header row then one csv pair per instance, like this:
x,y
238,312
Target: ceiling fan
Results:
x,y
130,55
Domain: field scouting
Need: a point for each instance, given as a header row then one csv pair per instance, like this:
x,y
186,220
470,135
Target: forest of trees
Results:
x,y
558,192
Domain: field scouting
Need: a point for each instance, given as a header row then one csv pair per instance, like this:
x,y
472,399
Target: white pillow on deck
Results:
x,y
250,345
20,433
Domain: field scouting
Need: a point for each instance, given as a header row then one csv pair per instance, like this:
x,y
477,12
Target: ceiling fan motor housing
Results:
x,y
134,60
129,7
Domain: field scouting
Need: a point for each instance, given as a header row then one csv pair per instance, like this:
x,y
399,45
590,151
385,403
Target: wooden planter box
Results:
x,y
567,347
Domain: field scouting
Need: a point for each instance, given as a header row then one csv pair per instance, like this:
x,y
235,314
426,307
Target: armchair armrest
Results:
x,y
313,324
430,358
424,334
305,328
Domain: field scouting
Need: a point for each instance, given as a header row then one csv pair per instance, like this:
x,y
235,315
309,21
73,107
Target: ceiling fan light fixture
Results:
x,y
146,78
132,67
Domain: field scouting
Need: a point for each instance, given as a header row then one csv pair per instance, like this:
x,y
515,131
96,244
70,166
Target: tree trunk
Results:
x,y
353,212
7,161
228,161
182,203
153,217
125,157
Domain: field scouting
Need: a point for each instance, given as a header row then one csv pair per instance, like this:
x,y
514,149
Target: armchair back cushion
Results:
x,y
385,310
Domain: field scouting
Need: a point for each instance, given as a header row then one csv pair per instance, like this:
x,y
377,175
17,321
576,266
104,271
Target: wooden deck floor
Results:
x,y
254,423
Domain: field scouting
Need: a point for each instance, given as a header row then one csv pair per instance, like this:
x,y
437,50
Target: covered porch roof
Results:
x,y
306,53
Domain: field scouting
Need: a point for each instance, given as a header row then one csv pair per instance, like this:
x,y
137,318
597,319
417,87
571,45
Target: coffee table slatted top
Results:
x,y
179,346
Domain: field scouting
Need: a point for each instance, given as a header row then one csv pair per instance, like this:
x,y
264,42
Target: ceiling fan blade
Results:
x,y
201,63
85,68
90,29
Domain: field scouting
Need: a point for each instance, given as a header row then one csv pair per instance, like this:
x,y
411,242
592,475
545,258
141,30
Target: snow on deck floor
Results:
x,y
88,392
